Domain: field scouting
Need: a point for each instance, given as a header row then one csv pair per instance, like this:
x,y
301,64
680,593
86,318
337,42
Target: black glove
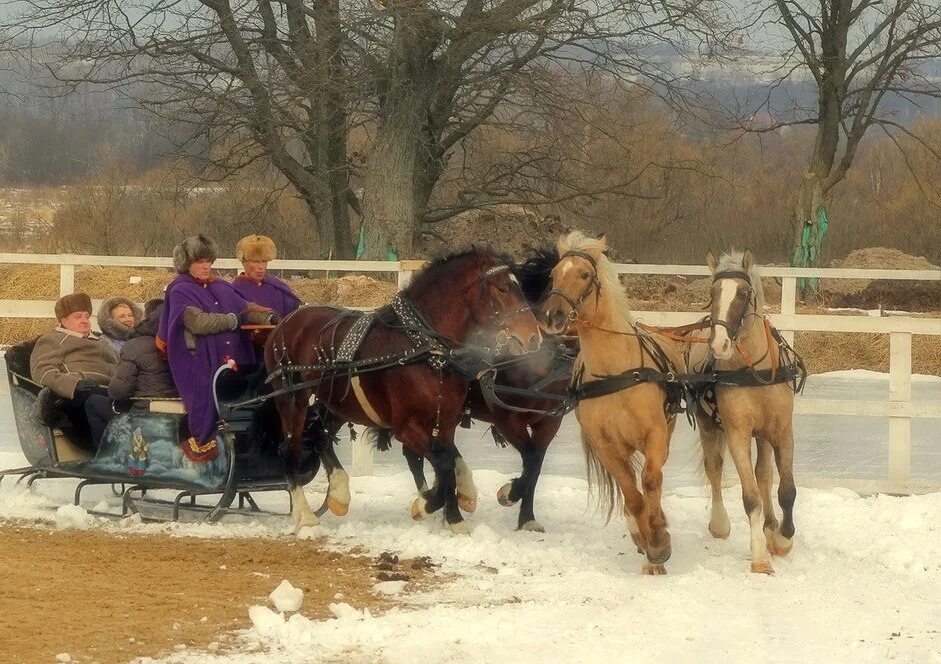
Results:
x,y
86,385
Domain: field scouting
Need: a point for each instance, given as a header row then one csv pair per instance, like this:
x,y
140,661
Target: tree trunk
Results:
x,y
391,206
809,233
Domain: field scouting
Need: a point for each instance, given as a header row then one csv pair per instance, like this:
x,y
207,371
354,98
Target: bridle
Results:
x,y
750,310
594,284
498,316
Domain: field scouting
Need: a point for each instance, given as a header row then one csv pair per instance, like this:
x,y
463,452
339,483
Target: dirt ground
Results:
x,y
108,598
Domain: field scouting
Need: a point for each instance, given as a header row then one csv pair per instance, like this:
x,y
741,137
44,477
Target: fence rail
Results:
x,y
899,408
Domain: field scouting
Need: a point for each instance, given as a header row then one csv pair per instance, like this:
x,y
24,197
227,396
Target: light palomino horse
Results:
x,y
618,425
739,337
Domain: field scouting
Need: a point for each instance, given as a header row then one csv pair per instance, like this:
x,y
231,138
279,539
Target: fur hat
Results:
x,y
192,249
256,248
69,304
112,328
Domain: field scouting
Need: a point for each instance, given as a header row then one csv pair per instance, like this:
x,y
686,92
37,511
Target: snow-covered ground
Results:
x,y
863,583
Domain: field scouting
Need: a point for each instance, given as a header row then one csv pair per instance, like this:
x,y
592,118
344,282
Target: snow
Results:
x,y
861,584
286,597
64,657
73,517
865,374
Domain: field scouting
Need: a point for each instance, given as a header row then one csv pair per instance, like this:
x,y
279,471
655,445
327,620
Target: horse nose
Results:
x,y
555,318
534,342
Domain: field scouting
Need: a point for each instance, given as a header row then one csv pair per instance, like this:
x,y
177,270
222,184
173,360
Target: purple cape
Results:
x,y
271,293
193,373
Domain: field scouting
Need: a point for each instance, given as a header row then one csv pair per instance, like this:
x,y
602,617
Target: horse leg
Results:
x,y
740,448
416,465
337,499
712,440
442,454
782,540
293,418
466,489
656,450
543,432
764,473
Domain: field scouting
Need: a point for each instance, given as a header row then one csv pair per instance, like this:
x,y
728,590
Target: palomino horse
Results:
x,y
403,377
741,338
623,392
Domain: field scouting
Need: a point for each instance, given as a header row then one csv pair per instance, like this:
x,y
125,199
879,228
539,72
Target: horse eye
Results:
x,y
584,274
503,289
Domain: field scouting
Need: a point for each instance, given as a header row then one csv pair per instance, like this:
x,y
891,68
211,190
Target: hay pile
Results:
x,y
349,291
668,293
835,351
873,258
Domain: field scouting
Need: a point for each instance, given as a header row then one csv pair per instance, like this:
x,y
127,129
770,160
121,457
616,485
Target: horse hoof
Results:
x,y
720,530
418,509
651,569
466,503
503,495
659,556
779,545
308,521
761,567
338,508
532,526
459,528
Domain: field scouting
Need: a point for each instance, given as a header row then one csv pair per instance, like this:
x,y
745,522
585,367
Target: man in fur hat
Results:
x,y
255,284
199,332
72,361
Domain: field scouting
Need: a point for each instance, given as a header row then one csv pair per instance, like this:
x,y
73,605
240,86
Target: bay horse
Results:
x,y
533,427
417,395
626,406
740,336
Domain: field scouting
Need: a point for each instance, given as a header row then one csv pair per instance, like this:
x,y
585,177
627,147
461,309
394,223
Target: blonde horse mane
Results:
x,y
607,275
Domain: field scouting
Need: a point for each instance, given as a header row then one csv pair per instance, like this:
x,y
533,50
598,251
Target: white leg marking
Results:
x,y
759,545
719,525
301,513
466,490
338,492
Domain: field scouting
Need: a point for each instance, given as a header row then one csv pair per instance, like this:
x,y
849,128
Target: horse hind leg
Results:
x,y
416,466
740,449
712,440
293,417
338,497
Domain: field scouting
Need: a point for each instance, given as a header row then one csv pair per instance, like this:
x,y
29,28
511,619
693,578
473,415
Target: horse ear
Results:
x,y
748,260
603,239
711,261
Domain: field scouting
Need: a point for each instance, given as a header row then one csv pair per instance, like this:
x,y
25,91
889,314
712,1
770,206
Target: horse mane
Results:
x,y
731,261
578,241
437,264
535,273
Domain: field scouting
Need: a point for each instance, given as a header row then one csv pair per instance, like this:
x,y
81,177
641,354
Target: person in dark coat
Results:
x,y
199,332
142,372
255,284
117,318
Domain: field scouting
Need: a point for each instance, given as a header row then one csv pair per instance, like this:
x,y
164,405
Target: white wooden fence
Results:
x,y
899,408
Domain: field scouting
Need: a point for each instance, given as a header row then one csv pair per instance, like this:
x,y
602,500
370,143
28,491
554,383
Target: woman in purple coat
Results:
x,y
199,332
255,284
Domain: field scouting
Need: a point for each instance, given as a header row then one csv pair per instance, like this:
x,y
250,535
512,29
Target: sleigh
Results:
x,y
141,453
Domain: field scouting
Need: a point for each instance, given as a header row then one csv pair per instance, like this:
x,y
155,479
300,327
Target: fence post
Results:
x,y
66,279
362,456
789,304
406,268
900,390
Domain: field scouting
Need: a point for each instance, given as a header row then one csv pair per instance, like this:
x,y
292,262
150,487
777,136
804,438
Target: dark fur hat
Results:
x,y
192,249
69,304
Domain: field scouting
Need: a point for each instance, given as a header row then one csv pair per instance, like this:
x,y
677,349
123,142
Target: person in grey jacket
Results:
x,y
117,318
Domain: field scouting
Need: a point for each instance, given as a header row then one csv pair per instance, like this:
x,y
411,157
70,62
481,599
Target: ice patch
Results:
x,y
73,517
265,622
286,597
64,657
343,611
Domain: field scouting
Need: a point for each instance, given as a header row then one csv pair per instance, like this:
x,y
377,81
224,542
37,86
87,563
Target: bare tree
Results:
x,y
862,55
288,80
